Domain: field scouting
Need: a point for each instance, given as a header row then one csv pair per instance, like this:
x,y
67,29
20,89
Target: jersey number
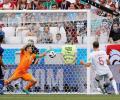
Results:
x,y
101,62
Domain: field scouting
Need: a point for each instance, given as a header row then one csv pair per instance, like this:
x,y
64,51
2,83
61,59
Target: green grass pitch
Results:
x,y
59,97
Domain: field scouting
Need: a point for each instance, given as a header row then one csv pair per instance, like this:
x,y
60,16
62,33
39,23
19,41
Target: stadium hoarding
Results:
x,y
53,78
59,78
113,51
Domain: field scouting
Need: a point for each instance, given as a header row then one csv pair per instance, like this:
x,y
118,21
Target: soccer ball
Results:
x,y
52,54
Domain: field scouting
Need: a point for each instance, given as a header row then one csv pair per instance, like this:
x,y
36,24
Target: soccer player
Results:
x,y
1,64
26,58
99,60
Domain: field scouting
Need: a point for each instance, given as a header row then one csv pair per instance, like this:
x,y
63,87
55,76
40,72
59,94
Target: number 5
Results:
x,y
101,62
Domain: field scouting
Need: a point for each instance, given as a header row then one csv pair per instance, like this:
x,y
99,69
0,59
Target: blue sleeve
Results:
x,y
2,33
1,51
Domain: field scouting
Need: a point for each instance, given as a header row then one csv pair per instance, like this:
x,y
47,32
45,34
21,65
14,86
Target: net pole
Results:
x,y
88,49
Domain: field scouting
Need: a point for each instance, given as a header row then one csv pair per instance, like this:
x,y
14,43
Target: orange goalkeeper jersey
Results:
x,y
25,61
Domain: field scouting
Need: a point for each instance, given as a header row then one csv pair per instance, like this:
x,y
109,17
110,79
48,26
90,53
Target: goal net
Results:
x,y
67,33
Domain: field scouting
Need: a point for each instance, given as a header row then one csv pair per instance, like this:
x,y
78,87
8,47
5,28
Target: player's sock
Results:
x,y
30,84
114,86
26,91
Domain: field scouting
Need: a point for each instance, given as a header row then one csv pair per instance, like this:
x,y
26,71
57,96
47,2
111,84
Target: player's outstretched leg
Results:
x,y
31,82
12,78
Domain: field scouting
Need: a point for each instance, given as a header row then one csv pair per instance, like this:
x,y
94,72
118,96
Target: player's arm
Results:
x,y
43,54
2,64
108,61
23,49
85,64
88,64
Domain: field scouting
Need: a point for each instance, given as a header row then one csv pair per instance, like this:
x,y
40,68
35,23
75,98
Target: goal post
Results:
x,y
88,50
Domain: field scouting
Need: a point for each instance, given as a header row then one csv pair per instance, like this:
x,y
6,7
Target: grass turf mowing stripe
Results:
x,y
59,97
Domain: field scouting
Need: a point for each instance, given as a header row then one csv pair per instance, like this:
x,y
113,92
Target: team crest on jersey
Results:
x,y
114,57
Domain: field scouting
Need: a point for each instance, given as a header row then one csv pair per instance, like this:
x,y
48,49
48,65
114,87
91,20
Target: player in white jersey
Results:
x,y
99,60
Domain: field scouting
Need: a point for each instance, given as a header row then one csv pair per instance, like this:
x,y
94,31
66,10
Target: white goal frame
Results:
x,y
88,35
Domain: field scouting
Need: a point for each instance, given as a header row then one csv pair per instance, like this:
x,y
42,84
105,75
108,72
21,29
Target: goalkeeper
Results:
x,y
26,58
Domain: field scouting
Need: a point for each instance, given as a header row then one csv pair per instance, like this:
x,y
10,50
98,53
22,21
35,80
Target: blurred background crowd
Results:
x,y
56,4
58,28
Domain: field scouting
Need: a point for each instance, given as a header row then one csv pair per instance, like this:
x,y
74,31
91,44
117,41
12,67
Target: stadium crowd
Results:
x,y
24,27
61,33
55,4
20,26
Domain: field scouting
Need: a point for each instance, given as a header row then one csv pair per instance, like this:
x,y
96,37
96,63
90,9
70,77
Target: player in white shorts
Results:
x,y
99,60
